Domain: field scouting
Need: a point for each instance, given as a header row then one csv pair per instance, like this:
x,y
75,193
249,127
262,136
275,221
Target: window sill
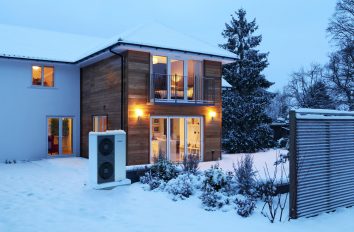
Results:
x,y
181,102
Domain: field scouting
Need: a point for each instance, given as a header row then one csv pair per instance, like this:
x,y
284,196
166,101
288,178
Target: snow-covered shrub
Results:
x,y
265,189
182,186
163,169
245,205
282,142
190,163
217,188
245,176
153,181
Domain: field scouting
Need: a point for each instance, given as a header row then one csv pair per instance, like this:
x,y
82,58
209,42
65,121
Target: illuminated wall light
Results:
x,y
139,113
212,115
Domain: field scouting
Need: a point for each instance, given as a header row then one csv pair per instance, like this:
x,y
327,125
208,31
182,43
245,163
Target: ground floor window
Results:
x,y
175,137
60,135
99,123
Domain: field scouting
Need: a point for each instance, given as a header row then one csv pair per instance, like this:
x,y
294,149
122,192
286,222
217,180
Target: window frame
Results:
x,y
42,66
93,121
185,77
168,134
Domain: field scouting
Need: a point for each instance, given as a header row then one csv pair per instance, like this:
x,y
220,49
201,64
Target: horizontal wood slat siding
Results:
x,y
137,68
212,68
100,95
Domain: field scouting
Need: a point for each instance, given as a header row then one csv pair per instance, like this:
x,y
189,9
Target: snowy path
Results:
x,y
51,195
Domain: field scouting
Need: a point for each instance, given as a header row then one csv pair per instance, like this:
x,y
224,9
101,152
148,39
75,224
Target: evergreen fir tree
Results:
x,y
245,122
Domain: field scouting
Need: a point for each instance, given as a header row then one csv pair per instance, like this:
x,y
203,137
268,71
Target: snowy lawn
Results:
x,y
52,195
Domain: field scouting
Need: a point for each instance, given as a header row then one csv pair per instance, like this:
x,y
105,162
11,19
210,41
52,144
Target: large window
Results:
x,y
175,137
43,76
176,79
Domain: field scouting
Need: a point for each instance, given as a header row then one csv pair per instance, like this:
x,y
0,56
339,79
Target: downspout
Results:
x,y
122,87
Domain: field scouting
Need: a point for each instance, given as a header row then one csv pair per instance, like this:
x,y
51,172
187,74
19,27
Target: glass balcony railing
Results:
x,y
182,89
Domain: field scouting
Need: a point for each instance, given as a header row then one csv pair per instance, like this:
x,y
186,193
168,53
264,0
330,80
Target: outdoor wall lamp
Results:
x,y
212,115
139,113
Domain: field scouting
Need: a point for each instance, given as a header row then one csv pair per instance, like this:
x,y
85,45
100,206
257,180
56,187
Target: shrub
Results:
x,y
245,205
181,187
152,181
190,163
163,169
216,188
245,176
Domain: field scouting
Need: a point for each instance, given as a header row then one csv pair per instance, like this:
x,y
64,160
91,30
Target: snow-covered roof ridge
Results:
x,y
30,43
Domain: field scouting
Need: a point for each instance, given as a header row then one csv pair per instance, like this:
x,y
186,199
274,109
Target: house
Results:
x,y
162,87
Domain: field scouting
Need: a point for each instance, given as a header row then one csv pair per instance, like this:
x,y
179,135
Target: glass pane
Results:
x,y
67,136
194,77
177,86
159,138
194,136
53,136
48,76
36,75
99,123
177,140
159,75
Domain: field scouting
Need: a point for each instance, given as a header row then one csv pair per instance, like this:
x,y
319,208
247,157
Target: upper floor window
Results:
x,y
180,80
43,76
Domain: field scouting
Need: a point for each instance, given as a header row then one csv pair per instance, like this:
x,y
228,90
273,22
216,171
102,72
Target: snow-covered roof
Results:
x,y
29,43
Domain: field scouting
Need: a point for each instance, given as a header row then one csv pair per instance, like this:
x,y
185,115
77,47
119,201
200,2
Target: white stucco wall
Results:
x,y
24,109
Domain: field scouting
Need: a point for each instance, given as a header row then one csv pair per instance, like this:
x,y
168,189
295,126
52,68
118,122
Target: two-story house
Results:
x,y
163,88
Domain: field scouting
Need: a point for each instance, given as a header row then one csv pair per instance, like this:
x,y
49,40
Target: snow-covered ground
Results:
x,y
261,161
52,195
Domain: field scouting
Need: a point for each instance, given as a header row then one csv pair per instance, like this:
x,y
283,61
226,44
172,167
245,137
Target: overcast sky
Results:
x,y
293,31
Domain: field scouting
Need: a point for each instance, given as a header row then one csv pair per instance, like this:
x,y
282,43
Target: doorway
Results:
x,y
60,136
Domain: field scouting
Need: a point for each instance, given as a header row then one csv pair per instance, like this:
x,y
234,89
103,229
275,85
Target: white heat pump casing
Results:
x,y
119,159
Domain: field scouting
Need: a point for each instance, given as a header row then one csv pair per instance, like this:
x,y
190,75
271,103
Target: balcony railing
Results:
x,y
182,89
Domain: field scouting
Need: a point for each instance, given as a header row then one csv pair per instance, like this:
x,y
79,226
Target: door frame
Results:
x,y
60,140
168,134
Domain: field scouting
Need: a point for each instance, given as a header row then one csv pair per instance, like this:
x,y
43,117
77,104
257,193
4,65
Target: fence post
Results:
x,y
292,167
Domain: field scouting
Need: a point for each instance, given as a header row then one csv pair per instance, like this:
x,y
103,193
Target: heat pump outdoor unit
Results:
x,y
107,159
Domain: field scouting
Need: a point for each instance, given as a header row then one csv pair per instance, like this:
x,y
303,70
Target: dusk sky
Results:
x,y
293,31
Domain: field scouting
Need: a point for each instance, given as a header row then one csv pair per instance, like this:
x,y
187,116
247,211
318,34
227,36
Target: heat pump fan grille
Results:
x,y
106,170
106,146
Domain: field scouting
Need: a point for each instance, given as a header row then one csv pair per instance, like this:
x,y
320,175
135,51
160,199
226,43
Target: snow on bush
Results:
x,y
217,188
163,169
245,205
245,176
183,186
160,172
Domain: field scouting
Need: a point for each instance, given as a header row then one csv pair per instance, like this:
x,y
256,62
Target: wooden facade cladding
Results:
x,y
100,95
137,71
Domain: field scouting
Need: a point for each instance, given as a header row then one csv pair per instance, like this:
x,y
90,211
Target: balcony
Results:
x,y
182,89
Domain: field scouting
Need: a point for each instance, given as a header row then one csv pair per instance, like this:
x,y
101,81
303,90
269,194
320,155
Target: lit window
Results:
x,y
100,123
43,76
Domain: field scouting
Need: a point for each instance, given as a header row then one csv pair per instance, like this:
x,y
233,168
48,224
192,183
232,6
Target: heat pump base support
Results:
x,y
112,185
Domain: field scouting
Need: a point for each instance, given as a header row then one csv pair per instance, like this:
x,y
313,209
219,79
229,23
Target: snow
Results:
x,y
224,83
261,160
33,43
52,195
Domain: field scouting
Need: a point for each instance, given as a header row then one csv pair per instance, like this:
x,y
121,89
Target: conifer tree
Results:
x,y
245,122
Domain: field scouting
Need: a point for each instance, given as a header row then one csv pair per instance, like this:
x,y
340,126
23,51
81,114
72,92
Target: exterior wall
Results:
x,y
24,109
137,68
100,95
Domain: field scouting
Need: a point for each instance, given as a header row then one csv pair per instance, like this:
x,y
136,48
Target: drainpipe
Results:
x,y
122,87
